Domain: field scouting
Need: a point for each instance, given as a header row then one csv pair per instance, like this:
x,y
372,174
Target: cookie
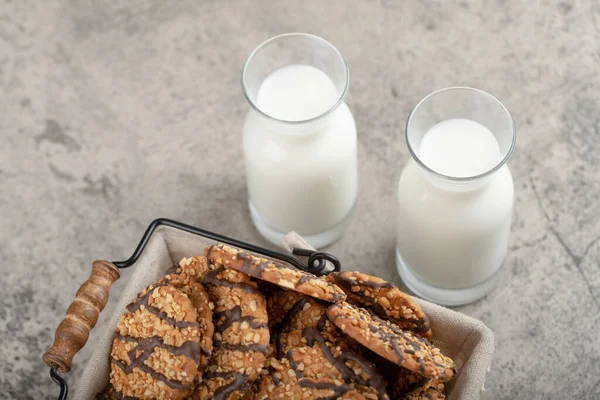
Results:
x,y
384,299
227,376
404,382
284,275
195,267
289,310
241,338
292,310
403,348
156,349
431,391
315,368
201,302
107,394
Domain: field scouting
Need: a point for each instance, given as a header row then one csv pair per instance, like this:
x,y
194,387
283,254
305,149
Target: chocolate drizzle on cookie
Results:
x,y
259,348
352,284
338,390
306,278
293,363
144,301
415,342
189,349
322,321
278,329
374,380
239,381
224,319
146,346
256,265
419,325
312,335
212,278
357,291
292,312
401,342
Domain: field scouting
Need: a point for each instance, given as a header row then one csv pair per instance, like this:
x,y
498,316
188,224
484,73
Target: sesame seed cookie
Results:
x,y
392,343
384,299
315,368
241,338
279,273
156,349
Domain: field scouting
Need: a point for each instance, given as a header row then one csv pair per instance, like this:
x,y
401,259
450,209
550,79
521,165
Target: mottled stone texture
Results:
x,y
113,113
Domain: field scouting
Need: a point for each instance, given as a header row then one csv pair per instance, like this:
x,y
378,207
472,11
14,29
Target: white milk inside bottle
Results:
x,y
459,148
453,226
300,157
296,93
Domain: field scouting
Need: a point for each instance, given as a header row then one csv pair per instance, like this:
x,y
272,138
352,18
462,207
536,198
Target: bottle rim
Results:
x,y
274,39
466,178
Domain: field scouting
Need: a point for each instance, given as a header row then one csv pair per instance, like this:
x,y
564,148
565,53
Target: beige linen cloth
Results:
x,y
468,341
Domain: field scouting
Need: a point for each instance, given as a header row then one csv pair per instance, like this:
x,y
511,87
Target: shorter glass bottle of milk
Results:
x,y
299,139
455,196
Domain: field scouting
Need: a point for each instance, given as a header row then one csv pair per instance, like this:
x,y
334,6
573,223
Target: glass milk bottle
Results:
x,y
299,139
455,196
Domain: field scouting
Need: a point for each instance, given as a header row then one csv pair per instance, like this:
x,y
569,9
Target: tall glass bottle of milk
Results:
x,y
299,139
455,196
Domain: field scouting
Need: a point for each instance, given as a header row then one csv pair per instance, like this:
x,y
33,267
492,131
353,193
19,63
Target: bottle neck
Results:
x,y
453,185
298,130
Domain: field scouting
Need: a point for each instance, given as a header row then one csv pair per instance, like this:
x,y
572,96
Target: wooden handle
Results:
x,y
82,315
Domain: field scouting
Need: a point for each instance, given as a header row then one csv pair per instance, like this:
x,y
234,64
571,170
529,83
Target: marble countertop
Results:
x,y
115,113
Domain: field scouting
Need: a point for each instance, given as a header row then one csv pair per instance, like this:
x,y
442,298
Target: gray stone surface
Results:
x,y
113,113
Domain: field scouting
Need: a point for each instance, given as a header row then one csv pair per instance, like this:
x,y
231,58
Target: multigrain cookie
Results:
x,y
195,266
405,383
281,274
289,311
241,338
386,339
156,349
201,302
384,299
107,394
315,368
432,391
293,310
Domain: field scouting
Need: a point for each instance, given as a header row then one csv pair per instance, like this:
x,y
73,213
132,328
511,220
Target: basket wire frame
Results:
x,y
316,263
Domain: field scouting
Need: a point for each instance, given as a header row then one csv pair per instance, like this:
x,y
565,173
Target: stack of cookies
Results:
x,y
231,325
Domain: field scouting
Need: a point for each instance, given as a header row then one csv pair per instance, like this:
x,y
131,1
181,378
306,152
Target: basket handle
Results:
x,y
81,317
